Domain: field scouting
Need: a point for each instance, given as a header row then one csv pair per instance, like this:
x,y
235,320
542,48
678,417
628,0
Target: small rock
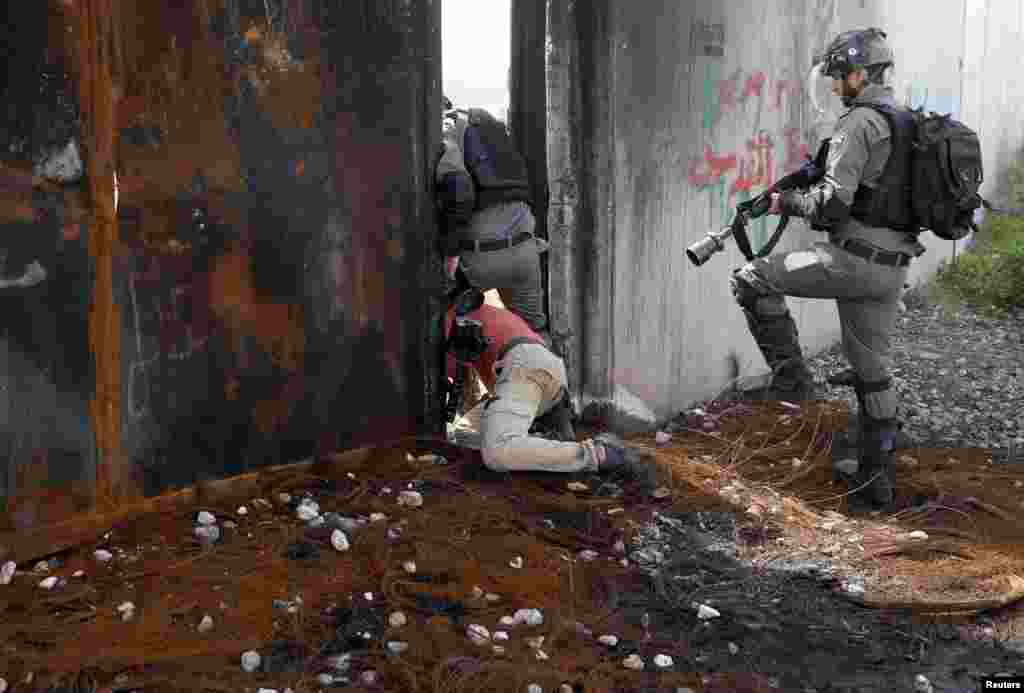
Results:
x,y
706,613
790,407
206,518
500,635
78,573
492,597
852,588
922,684
386,491
478,634
325,679
847,467
541,655
412,499
508,621
307,512
534,688
369,677
250,661
230,524
578,486
397,619
339,541
368,596
7,572
662,492
284,498
409,566
535,642
588,555
624,562
378,517
207,534
662,438
497,649
206,624
102,555
397,647
663,661
49,583
477,592
516,562
917,534
339,662
529,617
616,511
242,510
734,648
634,662
608,640
3,685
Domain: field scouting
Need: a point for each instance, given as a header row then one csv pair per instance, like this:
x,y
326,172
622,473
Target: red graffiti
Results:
x,y
757,168
754,85
727,91
710,168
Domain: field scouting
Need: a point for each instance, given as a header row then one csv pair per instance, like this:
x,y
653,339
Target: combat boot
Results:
x,y
621,461
790,382
876,469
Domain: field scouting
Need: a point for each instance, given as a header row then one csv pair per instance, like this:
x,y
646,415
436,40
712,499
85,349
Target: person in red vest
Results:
x,y
526,381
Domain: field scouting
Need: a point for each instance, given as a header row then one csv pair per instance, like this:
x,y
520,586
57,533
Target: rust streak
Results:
x,y
97,98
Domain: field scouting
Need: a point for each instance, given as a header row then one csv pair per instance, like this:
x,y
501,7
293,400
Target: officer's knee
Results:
x,y
755,295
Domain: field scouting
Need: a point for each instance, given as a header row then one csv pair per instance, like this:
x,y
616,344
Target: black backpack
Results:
x,y
946,172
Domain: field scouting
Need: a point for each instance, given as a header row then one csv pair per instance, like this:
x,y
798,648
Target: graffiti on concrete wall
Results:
x,y
734,172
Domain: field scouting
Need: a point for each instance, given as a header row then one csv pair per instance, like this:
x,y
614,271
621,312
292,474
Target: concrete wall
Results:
x,y
664,115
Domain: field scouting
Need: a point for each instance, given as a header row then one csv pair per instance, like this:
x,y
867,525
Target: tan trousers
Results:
x,y
529,384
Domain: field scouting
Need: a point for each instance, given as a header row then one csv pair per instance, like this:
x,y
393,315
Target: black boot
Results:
x,y
779,342
557,422
877,464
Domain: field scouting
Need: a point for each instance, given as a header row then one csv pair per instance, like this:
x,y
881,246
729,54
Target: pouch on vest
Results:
x,y
498,170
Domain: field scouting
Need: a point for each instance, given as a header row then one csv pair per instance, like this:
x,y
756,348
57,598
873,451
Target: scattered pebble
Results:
x,y
608,640
541,655
206,624
578,486
663,661
78,573
325,679
662,438
242,510
206,518
588,554
633,662
339,541
477,592
508,621
368,596
478,634
529,617
492,597
616,511
922,684
102,555
397,619
412,499
624,562
497,649
207,534
516,562
500,635
534,688
7,572
305,513
662,492
378,517
369,678
386,491
340,662
619,546
855,589
734,649
49,583
706,613
917,534
790,407
127,611
397,647
3,685
409,566
42,567
250,661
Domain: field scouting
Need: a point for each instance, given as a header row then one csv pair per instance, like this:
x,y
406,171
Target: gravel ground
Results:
x,y
960,378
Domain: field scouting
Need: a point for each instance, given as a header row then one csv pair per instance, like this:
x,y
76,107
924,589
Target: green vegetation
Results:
x,y
990,276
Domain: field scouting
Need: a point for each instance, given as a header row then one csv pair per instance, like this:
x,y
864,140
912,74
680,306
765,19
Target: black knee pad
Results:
x,y
745,293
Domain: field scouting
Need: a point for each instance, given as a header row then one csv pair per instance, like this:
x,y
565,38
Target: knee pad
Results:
x,y
754,295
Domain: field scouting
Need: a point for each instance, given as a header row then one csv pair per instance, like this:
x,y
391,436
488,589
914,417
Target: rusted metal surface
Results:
x,y
269,292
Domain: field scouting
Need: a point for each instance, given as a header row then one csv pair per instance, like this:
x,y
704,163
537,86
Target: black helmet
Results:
x,y
855,50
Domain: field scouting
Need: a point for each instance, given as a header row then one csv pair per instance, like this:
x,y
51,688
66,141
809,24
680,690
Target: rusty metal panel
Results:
x,y
274,282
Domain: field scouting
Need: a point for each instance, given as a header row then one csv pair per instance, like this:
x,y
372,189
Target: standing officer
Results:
x,y
483,193
863,204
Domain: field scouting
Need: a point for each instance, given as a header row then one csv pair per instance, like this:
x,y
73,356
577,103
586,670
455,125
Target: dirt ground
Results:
x,y
810,595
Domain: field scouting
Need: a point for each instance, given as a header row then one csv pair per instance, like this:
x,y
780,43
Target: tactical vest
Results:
x,y
499,171
890,204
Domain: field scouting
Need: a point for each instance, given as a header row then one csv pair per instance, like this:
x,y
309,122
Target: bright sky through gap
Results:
x,y
475,36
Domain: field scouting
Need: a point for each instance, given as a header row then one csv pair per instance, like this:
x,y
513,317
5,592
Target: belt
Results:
x,y
872,254
488,246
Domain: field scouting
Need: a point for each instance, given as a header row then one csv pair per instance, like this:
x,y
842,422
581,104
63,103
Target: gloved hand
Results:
x,y
622,460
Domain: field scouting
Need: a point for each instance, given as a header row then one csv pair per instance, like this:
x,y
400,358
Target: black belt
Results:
x,y
872,254
488,246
